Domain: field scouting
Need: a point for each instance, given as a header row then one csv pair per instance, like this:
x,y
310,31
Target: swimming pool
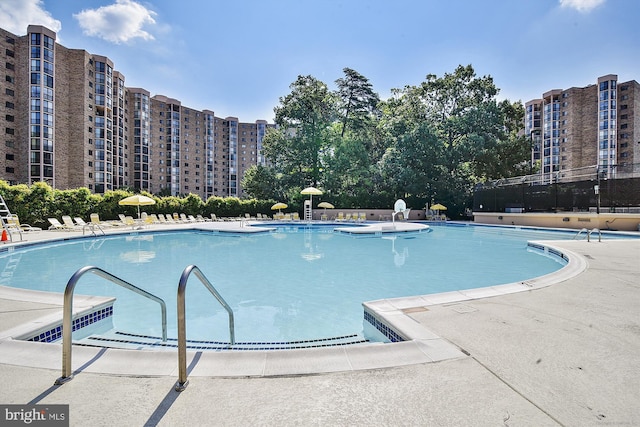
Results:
x,y
293,283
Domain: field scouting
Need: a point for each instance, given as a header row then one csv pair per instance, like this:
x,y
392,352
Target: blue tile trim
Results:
x,y
55,333
385,329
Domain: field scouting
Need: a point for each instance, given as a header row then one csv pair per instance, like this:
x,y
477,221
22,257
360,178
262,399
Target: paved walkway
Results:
x,y
566,354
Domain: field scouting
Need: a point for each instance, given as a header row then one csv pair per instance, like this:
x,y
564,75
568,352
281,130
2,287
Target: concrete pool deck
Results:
x,y
560,355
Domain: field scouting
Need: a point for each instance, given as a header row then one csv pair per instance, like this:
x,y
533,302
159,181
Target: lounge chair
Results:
x,y
200,218
185,218
68,223
147,219
14,221
79,221
129,221
295,216
91,226
95,219
57,225
362,216
340,216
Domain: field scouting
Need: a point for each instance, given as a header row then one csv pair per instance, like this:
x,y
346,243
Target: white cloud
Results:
x,y
16,15
118,23
581,5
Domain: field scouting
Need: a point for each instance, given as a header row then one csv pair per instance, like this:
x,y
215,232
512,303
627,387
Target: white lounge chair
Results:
x,y
57,225
68,223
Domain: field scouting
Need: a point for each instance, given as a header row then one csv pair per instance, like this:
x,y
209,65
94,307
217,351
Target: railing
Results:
x,y
594,231
67,317
584,230
182,329
588,233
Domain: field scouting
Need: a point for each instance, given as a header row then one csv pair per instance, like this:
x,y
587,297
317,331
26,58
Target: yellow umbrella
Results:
x,y
137,200
312,191
279,206
326,205
438,207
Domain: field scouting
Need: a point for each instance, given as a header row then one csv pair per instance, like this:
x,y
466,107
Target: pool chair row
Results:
x,y
353,217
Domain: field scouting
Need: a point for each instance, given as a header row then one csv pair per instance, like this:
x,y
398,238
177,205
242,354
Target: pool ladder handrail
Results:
x,y
584,230
589,233
593,231
67,316
182,329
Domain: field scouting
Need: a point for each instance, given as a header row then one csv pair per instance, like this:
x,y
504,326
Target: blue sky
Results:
x,y
239,57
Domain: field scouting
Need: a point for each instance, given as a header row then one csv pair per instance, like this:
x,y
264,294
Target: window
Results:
x,y
9,170
9,105
9,157
9,92
10,66
9,131
48,67
623,107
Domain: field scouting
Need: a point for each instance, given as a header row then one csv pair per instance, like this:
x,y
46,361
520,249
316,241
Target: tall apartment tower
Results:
x,y
67,118
63,118
592,128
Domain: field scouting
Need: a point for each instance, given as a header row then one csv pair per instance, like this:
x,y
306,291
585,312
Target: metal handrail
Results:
x,y
593,231
580,232
182,328
67,319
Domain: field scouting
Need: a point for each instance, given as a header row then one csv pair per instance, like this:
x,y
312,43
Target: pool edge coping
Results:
x,y
421,346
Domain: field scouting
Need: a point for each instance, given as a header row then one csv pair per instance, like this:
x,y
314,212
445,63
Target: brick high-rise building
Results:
x,y
593,128
67,118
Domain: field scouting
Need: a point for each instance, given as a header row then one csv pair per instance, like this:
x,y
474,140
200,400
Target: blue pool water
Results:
x,y
292,284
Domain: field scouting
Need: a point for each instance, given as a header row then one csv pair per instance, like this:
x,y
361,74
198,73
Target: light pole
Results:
x,y
596,189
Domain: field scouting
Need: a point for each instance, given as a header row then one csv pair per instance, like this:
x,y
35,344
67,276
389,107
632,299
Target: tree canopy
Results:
x,y
429,143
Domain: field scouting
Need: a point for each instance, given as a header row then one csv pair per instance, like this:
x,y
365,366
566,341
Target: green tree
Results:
x,y
357,102
511,154
440,136
304,118
262,182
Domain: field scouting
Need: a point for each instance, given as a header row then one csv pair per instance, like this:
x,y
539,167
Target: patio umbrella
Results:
x,y
312,191
279,206
137,200
438,207
326,205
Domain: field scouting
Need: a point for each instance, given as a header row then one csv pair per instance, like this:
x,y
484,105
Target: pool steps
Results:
x,y
127,340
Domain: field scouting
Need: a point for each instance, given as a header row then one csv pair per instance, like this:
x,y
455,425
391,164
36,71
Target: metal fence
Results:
x,y
586,173
582,189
